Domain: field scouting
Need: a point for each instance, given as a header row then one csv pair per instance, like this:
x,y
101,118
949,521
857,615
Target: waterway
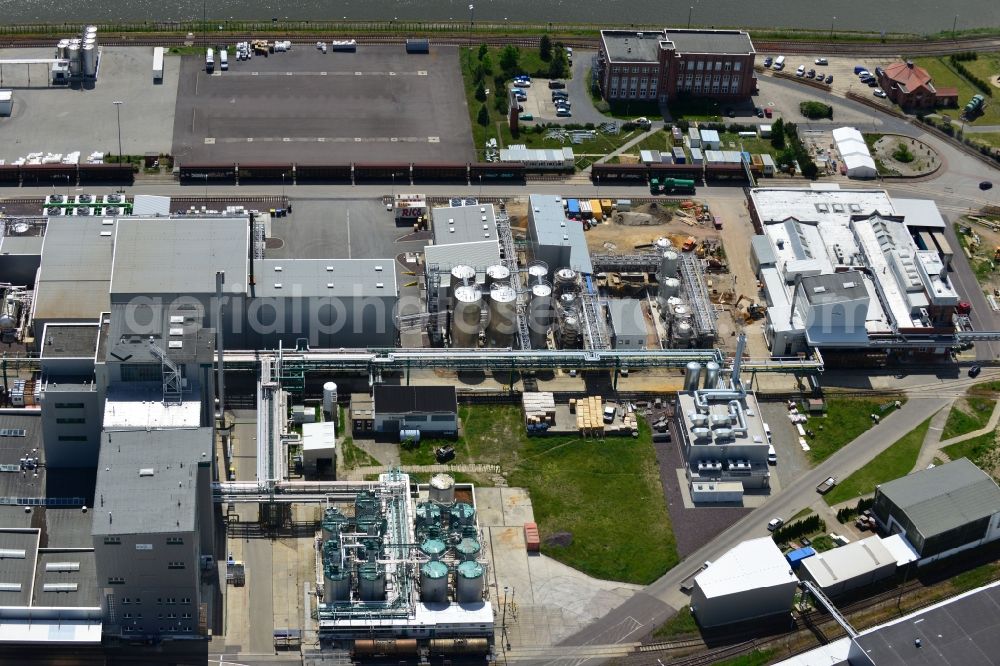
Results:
x,y
914,16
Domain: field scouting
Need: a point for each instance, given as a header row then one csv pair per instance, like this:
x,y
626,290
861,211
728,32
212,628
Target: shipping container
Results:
x,y
344,45
623,205
596,210
418,46
573,208
453,173
619,173
158,64
607,206
532,542
492,171
679,156
322,173
585,212
796,556
107,173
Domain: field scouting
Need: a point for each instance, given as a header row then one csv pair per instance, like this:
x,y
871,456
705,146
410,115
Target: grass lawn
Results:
x,y
978,449
600,145
844,421
352,456
945,77
822,543
695,108
682,624
801,514
894,462
988,138
755,658
961,421
986,66
752,144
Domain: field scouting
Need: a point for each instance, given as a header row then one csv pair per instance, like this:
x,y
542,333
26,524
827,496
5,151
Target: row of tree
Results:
x,y
959,65
785,138
799,528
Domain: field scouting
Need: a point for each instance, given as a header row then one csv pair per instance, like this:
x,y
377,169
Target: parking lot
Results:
x,y
64,119
376,105
841,69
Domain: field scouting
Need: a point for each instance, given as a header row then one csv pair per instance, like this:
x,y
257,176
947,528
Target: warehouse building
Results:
x,y
555,239
546,159
842,272
751,580
433,410
151,527
663,64
854,153
942,510
463,236
858,564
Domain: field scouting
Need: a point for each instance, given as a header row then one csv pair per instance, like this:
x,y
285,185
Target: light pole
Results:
x,y
118,114
954,24
472,19
832,21
690,9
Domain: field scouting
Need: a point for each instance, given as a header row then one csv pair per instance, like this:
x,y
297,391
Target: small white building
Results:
x,y
854,153
556,159
710,139
319,448
6,102
855,565
751,580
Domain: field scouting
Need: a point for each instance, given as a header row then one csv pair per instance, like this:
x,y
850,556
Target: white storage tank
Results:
x,y
565,280
330,398
495,274
75,64
538,272
469,582
712,376
442,490
680,312
462,274
466,317
668,264
62,48
683,330
434,582
89,60
503,316
691,376
669,287
540,314
662,244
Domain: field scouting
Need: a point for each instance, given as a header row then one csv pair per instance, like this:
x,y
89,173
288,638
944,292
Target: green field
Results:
x,y
893,463
351,456
988,138
606,493
845,420
945,77
973,417
985,66
682,624
980,450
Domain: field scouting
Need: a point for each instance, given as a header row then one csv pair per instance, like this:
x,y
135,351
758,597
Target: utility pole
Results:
x,y
690,9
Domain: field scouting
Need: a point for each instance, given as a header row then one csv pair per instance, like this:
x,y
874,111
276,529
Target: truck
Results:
x,y
657,186
209,60
779,63
158,64
827,485
975,105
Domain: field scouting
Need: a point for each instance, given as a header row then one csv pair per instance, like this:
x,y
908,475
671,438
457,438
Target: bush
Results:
x,y
480,92
814,110
849,512
799,528
545,48
778,134
484,116
902,153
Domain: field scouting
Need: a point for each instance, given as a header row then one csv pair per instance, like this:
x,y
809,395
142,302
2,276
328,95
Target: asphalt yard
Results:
x,y
379,104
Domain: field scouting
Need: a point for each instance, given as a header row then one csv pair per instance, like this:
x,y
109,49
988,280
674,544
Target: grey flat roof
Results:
x,y
29,484
70,340
944,497
551,227
177,332
762,250
958,632
163,501
628,46
395,399
464,224
17,570
310,278
722,42
75,269
180,256
66,568
22,245
834,288
627,318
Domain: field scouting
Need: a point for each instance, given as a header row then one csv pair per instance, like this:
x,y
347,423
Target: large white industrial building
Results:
x,y
842,270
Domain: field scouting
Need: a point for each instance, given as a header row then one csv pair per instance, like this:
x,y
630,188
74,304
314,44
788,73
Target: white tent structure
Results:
x,y
854,153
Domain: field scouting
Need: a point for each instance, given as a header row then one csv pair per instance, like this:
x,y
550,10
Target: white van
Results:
x,y
772,455
209,61
223,60
767,433
779,63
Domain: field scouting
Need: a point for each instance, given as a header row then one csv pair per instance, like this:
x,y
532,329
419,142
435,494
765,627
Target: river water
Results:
x,y
915,16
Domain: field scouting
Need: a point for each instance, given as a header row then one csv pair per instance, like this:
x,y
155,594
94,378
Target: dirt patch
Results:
x,y
628,232
995,81
924,159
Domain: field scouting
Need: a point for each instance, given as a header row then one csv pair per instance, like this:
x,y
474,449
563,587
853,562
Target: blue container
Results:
x,y
573,207
796,556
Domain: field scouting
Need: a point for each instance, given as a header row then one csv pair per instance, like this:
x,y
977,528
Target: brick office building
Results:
x,y
659,65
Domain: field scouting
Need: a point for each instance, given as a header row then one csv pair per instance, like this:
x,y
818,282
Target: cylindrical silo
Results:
x,y
538,271
711,375
569,331
333,523
669,287
469,582
433,548
336,584
371,582
683,331
75,64
668,263
540,314
331,551
468,549
434,582
462,275
680,312
503,316
495,274
462,514
61,48
691,376
90,28
330,398
662,244
89,60
565,280
442,490
568,302
466,316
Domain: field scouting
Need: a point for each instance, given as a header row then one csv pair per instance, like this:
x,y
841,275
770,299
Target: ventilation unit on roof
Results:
x,y
849,285
147,471
819,290
277,269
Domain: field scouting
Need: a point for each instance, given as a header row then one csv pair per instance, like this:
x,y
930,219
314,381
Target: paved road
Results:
x,y
660,599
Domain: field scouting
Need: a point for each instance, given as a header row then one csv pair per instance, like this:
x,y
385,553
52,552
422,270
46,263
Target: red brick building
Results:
x,y
658,65
911,87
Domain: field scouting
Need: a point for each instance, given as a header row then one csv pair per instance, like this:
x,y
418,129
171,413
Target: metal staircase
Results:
x,y
173,383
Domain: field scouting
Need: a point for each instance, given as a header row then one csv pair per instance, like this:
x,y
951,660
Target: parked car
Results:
x,y
731,112
859,68
526,116
872,82
767,61
827,485
801,71
829,78
822,61
974,371
522,97
564,104
559,93
772,455
759,112
556,85
768,112
985,185
878,92
563,113
774,524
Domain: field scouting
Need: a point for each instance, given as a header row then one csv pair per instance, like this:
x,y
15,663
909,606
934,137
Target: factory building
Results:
x,y
555,239
431,410
627,323
407,574
319,449
21,250
462,236
722,435
857,564
942,510
152,525
843,272
751,580
661,65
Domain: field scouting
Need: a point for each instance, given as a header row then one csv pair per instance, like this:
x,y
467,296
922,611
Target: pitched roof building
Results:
x,y
912,87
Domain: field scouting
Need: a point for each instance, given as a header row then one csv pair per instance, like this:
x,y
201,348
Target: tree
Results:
x,y
509,58
484,116
483,51
486,62
559,65
778,134
545,48
481,92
